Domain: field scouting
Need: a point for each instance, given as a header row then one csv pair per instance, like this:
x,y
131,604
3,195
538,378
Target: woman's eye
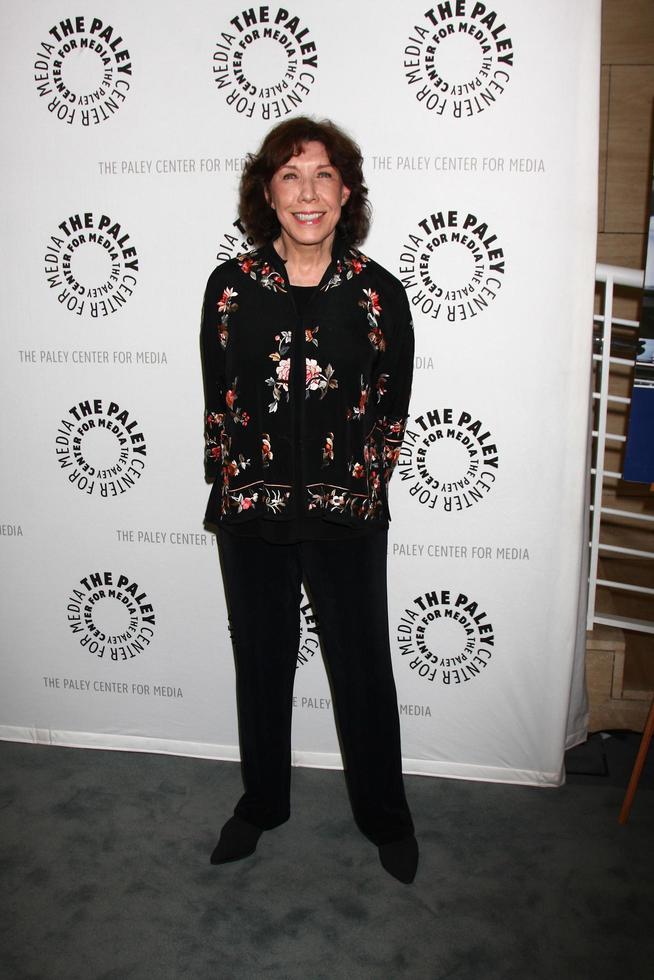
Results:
x,y
325,173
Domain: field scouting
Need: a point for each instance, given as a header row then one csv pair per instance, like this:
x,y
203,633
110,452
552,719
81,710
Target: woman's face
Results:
x,y
307,194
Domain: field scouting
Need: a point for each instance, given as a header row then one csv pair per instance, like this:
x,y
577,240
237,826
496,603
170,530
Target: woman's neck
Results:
x,y
305,264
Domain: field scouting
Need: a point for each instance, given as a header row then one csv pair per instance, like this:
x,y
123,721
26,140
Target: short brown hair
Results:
x,y
285,141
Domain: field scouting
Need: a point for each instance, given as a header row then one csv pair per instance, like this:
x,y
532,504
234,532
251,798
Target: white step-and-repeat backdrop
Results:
x,y
125,126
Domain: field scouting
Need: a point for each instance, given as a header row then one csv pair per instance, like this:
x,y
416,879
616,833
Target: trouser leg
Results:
x,y
262,583
347,581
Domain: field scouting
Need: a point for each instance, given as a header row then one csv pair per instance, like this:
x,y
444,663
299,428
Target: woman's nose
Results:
x,y
307,190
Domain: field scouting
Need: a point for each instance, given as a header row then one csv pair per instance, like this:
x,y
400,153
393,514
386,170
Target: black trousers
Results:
x,y
346,580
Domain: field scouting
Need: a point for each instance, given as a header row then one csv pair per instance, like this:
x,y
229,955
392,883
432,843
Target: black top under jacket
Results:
x,y
304,451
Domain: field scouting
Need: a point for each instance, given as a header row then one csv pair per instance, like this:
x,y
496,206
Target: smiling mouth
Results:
x,y
308,217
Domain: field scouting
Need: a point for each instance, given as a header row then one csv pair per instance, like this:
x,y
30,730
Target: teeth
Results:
x,y
308,216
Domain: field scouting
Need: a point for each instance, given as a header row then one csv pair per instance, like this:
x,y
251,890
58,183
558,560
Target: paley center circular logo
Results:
x,y
458,59
234,242
448,460
83,69
111,616
100,447
264,62
92,264
445,637
452,266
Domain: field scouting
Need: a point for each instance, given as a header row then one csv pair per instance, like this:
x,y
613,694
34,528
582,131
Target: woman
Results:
x,y
308,355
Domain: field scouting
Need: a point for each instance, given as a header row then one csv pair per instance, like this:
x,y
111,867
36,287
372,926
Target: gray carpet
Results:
x,y
105,869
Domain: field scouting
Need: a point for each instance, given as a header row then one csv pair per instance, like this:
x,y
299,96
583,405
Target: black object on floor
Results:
x,y
587,759
607,758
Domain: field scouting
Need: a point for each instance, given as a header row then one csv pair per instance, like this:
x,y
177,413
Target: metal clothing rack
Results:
x,y
609,276
604,345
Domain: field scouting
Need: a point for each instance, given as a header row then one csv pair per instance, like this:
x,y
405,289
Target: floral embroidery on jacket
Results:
x,y
341,501
319,379
373,467
241,501
350,265
266,449
276,499
262,272
239,415
234,467
391,427
391,456
273,498
393,432
280,383
225,307
336,499
328,449
372,306
214,422
359,410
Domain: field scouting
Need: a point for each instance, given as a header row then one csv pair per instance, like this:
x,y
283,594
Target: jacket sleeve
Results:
x,y
393,378
212,340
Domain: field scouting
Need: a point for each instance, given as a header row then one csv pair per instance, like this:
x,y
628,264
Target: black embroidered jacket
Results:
x,y
329,454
